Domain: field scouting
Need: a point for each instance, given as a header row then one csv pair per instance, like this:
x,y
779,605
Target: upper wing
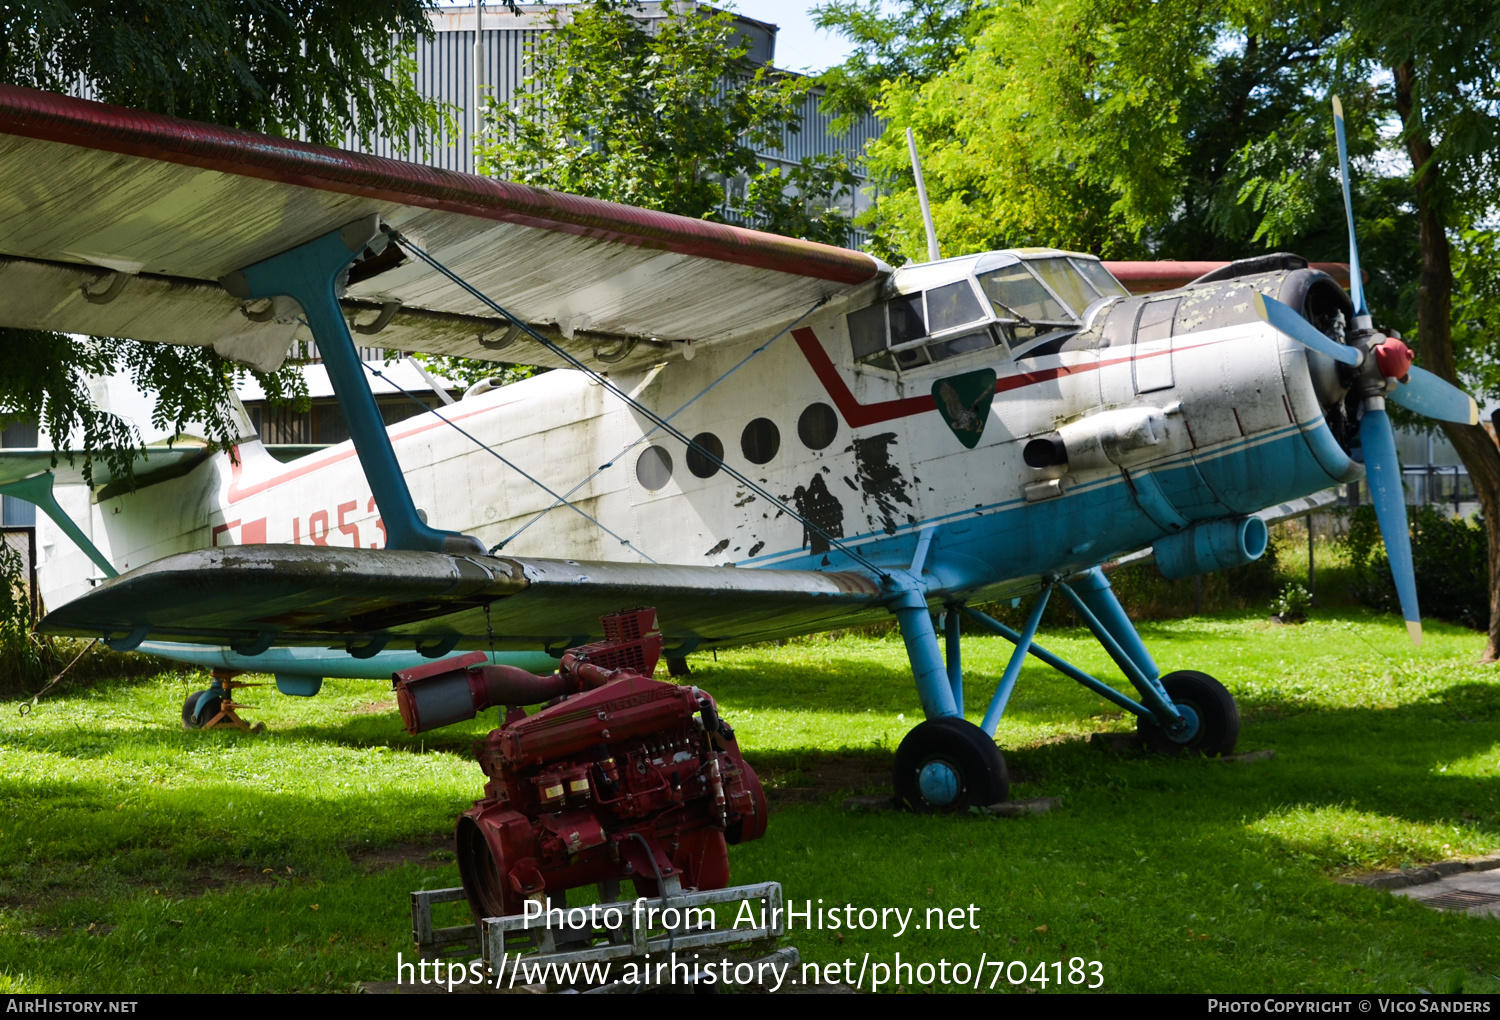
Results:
x,y
249,597
115,222
1168,274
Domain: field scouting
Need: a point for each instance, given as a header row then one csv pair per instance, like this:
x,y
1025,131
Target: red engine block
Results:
x,y
619,776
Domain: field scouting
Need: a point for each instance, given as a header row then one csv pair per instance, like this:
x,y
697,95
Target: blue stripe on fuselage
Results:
x,y
1095,521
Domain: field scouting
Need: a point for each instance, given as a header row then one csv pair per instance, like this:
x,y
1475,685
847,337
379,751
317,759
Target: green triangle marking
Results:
x,y
964,402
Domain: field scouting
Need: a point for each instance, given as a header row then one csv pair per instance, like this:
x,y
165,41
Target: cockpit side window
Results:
x,y
919,329
906,319
952,305
1102,281
867,331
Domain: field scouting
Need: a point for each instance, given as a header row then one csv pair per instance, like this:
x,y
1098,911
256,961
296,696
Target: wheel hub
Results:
x,y
938,783
1187,729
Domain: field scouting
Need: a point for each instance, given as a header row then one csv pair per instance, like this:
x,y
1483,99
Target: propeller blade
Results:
x,y
1289,323
1434,397
1356,279
1384,472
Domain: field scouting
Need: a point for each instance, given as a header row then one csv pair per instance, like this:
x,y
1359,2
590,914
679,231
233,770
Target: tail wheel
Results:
x,y
1213,717
949,764
198,709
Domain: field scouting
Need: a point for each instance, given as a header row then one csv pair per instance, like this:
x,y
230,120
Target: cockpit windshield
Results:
x,y
1016,294
1045,297
1066,282
1017,303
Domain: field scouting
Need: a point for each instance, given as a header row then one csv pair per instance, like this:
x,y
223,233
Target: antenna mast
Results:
x,y
478,67
933,254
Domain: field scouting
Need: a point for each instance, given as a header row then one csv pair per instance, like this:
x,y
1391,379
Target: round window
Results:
x,y
654,468
818,426
706,455
760,441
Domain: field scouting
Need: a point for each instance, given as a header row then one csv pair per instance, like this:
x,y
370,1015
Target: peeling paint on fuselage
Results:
x,y
880,481
822,509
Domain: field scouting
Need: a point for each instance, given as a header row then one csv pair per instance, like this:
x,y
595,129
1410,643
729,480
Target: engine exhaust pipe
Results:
x,y
457,689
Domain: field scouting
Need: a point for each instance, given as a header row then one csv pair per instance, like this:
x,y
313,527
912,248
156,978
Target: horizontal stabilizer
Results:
x,y
154,463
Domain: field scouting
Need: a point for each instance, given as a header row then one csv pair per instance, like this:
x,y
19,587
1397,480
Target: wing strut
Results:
x,y
312,274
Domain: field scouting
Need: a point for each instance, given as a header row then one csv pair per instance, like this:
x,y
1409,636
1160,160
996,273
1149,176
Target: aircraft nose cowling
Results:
x,y
1213,545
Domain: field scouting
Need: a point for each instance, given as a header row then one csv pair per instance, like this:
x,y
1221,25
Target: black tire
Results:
x,y
209,710
975,761
1218,717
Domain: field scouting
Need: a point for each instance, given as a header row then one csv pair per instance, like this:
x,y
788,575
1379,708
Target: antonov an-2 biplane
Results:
x,y
759,436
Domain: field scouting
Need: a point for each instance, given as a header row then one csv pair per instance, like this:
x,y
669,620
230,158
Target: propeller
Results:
x,y
1381,368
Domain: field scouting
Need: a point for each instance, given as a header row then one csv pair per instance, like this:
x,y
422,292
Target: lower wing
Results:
x,y
251,598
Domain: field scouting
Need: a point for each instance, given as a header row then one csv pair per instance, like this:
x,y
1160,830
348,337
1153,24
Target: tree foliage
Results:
x,y
1174,129
311,68
913,43
667,114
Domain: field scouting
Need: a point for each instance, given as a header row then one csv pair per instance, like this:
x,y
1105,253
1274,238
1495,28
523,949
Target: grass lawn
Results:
x,y
135,857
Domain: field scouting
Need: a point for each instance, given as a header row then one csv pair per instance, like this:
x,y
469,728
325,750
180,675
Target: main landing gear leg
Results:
x,y
946,763
1185,712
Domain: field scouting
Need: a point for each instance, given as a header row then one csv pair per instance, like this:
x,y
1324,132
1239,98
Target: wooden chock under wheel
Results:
x,y
229,716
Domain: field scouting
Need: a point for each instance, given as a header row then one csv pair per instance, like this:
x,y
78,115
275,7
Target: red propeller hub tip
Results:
x,y
1394,358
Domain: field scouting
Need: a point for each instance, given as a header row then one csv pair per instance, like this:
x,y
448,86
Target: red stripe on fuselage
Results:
x,y
321,461
857,414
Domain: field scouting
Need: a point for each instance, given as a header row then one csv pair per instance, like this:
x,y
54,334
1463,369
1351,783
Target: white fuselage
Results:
x,y
891,467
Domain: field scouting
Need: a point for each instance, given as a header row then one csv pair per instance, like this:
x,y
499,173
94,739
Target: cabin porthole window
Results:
x,y
653,469
705,455
760,441
818,426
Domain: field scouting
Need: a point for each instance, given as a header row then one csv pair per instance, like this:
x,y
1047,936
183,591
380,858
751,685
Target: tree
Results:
x,y
1120,127
313,68
1442,59
918,40
667,115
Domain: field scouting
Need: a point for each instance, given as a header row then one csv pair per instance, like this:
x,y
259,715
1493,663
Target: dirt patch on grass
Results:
x,y
374,708
813,778
434,853
66,885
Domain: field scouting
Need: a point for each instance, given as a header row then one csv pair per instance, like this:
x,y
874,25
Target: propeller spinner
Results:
x,y
1382,369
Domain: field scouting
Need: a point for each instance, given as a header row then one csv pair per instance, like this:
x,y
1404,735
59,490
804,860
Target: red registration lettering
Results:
x,y
349,529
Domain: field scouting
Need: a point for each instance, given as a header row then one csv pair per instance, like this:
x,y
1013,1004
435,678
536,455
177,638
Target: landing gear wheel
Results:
x,y
1210,709
949,764
194,717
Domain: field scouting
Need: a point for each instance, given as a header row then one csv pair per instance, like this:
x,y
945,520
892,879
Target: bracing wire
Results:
x,y
651,431
510,464
604,381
